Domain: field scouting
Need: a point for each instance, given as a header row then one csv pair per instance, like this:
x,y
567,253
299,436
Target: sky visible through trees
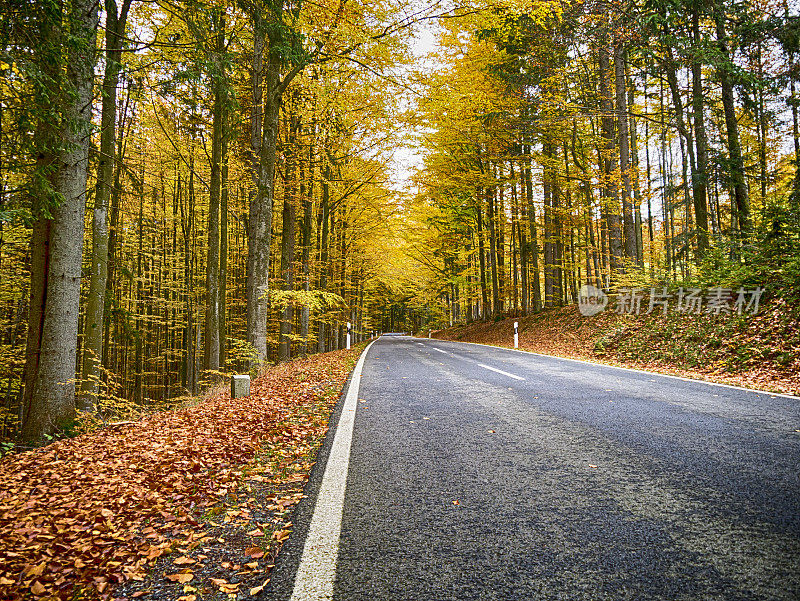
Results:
x,y
193,188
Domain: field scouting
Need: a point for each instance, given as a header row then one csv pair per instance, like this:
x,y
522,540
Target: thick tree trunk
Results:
x,y
260,214
52,403
260,235
259,222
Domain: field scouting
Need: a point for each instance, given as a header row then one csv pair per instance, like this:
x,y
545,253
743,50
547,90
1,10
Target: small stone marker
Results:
x,y
240,386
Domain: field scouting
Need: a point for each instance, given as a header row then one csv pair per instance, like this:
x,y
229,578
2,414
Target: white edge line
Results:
x,y
638,371
500,371
317,568
440,350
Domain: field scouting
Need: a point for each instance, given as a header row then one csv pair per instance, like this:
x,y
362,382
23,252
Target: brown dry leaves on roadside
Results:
x,y
85,514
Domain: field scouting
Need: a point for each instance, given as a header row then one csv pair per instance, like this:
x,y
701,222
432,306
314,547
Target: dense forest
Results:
x,y
192,188
620,144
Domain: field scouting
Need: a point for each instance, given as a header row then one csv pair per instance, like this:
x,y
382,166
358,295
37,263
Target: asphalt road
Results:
x,y
483,473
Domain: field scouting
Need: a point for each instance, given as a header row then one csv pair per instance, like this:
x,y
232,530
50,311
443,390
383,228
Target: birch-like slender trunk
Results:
x,y
96,298
700,179
740,193
629,224
211,337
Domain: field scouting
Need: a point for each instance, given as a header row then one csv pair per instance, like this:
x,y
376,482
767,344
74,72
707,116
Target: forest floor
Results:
x,y
181,505
755,351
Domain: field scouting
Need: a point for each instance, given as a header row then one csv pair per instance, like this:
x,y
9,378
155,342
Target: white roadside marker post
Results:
x,y
516,334
348,335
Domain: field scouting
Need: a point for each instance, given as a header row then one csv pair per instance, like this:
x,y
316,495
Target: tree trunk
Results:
x,y
700,179
211,334
95,301
609,193
536,285
259,233
482,255
308,203
496,310
259,222
53,400
549,251
287,245
323,252
223,255
740,193
629,224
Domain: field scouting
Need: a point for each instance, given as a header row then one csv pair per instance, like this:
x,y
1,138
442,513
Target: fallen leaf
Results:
x,y
257,589
254,552
184,561
592,466
103,490
456,502
37,588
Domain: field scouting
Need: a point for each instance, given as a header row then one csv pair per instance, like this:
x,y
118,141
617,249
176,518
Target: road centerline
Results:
x,y
500,371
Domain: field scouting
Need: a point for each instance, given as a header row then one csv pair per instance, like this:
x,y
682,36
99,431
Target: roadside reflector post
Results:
x,y
516,334
349,329
240,386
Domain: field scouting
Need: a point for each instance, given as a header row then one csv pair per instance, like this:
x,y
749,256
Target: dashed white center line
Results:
x,y
500,371
440,350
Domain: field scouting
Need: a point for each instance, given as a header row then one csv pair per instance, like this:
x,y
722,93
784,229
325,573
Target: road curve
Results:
x,y
484,473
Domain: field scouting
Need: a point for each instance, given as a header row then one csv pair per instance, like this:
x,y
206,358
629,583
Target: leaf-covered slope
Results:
x,y
761,351
85,514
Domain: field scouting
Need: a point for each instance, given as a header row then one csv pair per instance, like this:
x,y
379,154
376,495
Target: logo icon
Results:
x,y
591,300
